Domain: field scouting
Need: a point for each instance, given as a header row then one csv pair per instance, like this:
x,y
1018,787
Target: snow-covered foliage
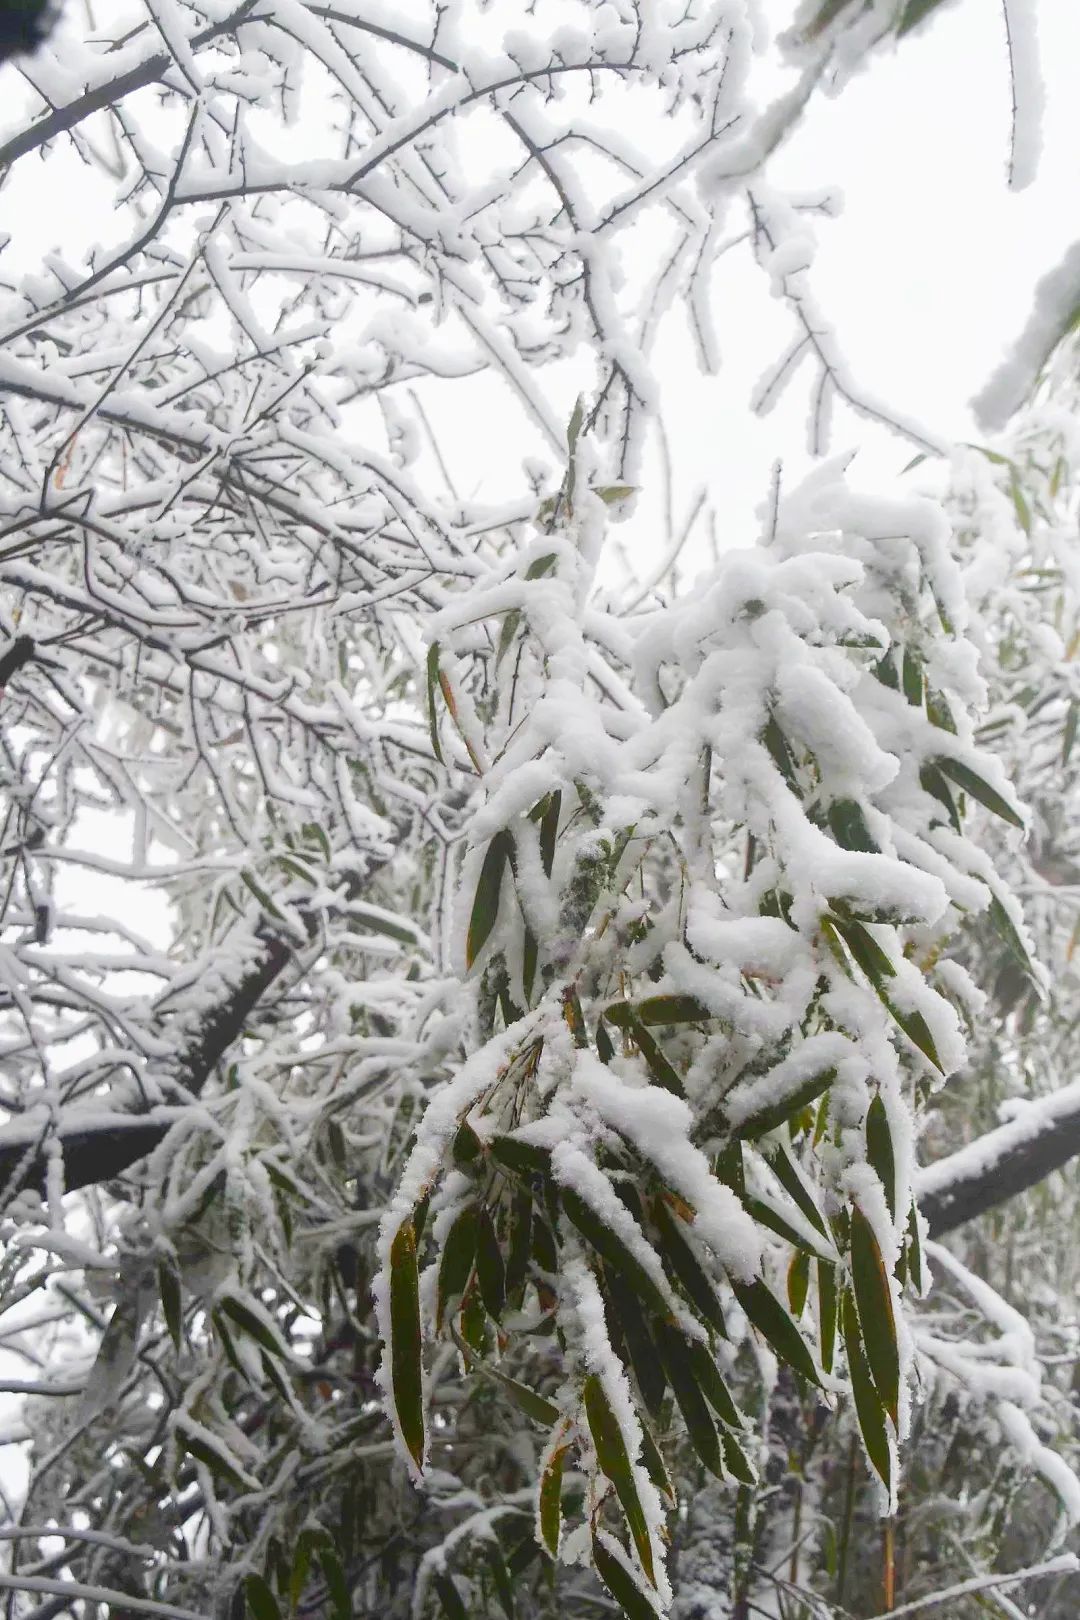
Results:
x,y
468,1019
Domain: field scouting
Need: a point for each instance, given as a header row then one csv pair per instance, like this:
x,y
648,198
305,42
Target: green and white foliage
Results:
x,y
442,980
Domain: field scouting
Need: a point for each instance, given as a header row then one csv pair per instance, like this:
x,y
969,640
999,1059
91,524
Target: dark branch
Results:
x,y
100,1151
1002,1163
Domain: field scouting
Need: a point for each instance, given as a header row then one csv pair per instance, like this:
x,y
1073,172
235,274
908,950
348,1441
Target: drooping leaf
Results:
x,y
524,1158
711,1383
336,1584
456,1262
791,1178
432,688
631,1598
879,1149
1068,736
490,1266
873,1296
847,823
679,1367
261,1602
613,1456
485,908
549,1506
766,1313
405,1342
967,780
868,1405
453,1605
171,1300
686,1266
525,1399
611,1248
798,1282
771,1114
645,1363
1006,930
500,1575
656,1010
663,1072
827,1301
655,1466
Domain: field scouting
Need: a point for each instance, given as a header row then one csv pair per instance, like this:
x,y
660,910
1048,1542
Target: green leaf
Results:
x,y
645,1364
171,1300
218,1462
871,957
712,1385
798,1282
914,1251
519,1251
692,1404
630,1597
449,1596
549,1509
879,1149
655,1466
1020,505
990,799
614,1458
525,1399
911,677
782,757
260,1599
687,1267
736,1461
817,25
774,1324
523,1158
486,903
255,888
466,1147
873,1296
770,1115
605,1048
432,688
490,1267
847,823
612,1249
656,1010
771,1218
337,1585
795,1185
406,1345
253,1325
663,1072
1006,930
456,1263
501,1576
826,1285
868,1408
932,781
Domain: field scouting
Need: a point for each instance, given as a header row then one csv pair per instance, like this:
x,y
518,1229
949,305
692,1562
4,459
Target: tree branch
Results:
x,y
1001,1163
98,1151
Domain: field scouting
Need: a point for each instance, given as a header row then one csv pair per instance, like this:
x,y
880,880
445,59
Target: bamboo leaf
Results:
x,y
645,1364
260,1599
657,1010
449,1597
798,1282
631,1598
826,1285
527,1400
990,799
770,1115
1006,930
501,1576
337,1585
687,1267
432,688
486,903
847,824
456,1262
1068,737
406,1346
171,1300
879,1149
688,1395
795,1185
612,1249
523,1158
873,1296
655,1466
614,1458
549,1508
868,1408
490,1267
253,1325
712,1385
663,1072
774,1324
